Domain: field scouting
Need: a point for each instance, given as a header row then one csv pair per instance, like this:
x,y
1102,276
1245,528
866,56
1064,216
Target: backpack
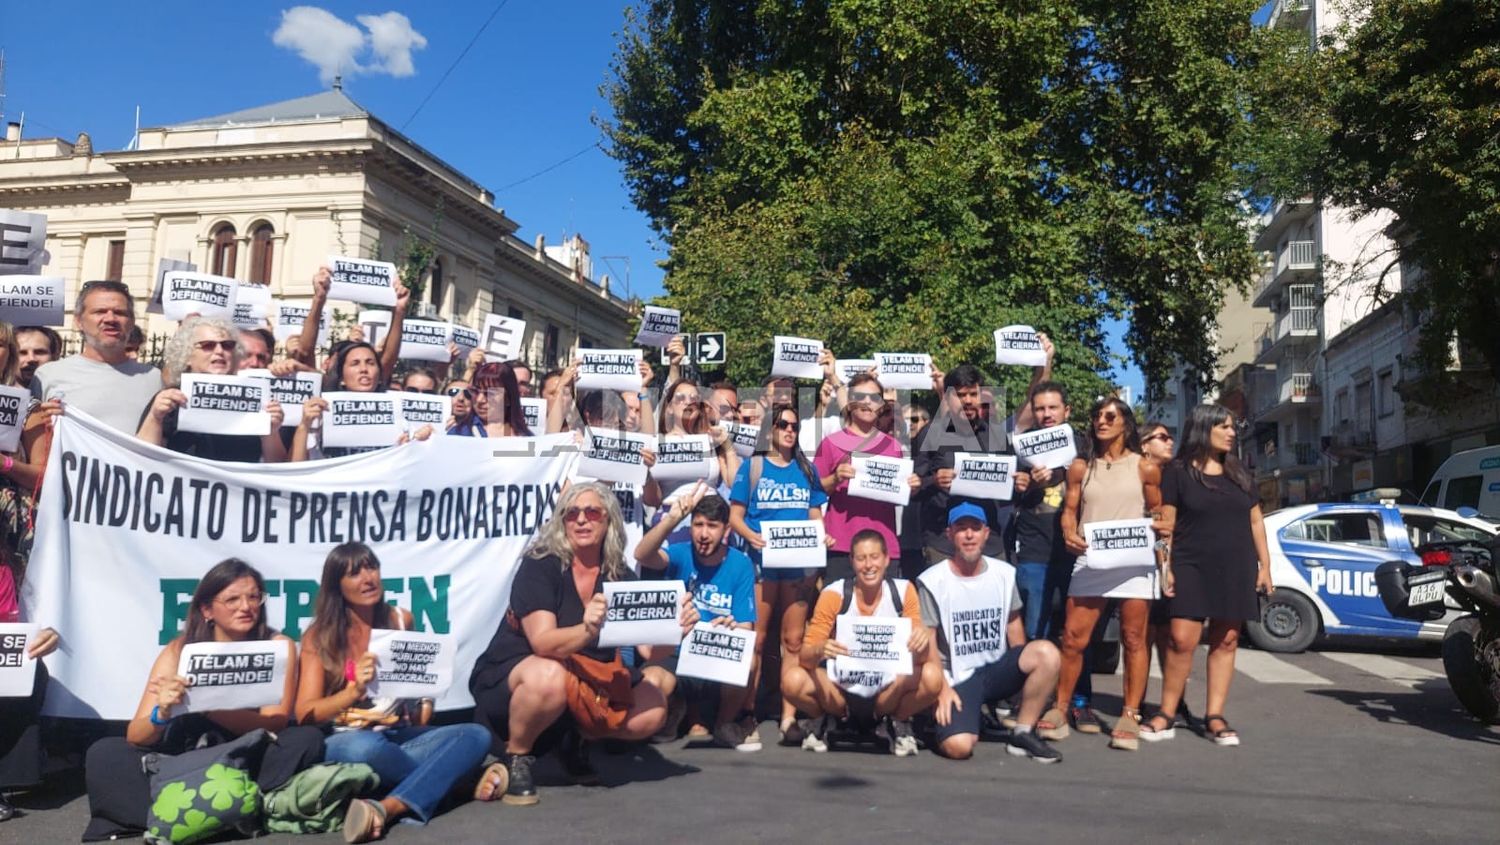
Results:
x,y
315,799
890,584
205,793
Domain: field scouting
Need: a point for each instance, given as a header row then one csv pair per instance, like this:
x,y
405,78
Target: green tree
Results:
x,y
909,175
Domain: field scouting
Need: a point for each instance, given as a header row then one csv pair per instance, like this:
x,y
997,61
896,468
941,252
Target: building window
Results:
x,y
435,286
223,252
1341,407
261,247
549,349
515,313
1386,392
1364,407
115,271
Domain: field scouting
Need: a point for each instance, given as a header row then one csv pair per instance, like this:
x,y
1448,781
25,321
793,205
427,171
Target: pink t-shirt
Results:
x,y
10,605
848,515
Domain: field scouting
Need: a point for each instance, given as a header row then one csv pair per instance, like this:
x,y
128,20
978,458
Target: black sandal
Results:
x,y
1150,733
1225,736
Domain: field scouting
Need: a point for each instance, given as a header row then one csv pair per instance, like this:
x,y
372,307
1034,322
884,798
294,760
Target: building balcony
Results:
x,y
1294,328
1352,440
1283,214
1297,261
1297,392
1291,14
1289,456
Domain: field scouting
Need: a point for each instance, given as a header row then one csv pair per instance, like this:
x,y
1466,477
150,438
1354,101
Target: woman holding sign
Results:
x,y
1116,483
228,608
418,764
354,368
683,411
497,402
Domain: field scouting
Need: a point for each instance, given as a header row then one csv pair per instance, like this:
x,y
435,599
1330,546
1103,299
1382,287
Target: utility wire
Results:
x,y
449,71
549,168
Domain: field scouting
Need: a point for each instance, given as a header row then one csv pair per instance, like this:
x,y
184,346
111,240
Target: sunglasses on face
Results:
x,y
862,396
432,392
461,391
914,420
684,399
1165,438
209,345
788,425
1107,416
592,513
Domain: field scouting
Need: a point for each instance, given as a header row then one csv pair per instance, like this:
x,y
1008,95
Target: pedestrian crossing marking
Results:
x,y
1267,668
1384,668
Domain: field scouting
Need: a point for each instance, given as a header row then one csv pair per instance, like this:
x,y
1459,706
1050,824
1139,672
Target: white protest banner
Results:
x,y
290,319
375,323
163,267
419,409
614,456
881,478
642,613
23,242
796,357
501,338
875,643
14,403
658,326
1019,345
224,405
848,368
291,391
681,458
793,544
362,280
360,420
424,340
252,306
232,676
534,409
1120,544
904,370
1046,447
17,671
185,293
982,476
448,518
411,664
609,369
31,300
465,338
743,437
716,653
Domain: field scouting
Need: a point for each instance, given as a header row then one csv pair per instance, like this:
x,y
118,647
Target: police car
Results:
x,y
1323,560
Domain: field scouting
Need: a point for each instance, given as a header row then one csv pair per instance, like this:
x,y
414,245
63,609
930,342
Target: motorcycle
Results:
x,y
1462,574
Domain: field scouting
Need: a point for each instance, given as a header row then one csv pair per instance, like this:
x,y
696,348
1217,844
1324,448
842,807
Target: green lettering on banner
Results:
x,y
425,605
176,598
299,605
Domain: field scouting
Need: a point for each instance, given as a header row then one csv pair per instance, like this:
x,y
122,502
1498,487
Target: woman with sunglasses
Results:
x,y
1157,443
418,764
465,423
1115,482
228,606
205,346
556,610
778,483
848,515
683,411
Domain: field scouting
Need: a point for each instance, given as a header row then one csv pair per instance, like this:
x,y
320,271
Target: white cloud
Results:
x,y
334,46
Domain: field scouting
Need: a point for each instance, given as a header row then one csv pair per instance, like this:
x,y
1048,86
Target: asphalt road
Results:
x,y
1338,745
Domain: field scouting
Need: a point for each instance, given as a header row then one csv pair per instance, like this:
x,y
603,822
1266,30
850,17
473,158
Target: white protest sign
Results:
x,y
1046,447
14,403
465,338
1019,345
796,357
362,280
411,664
658,326
534,409
252,306
875,643
742,436
981,476
716,653
681,458
501,338
904,370
23,241
291,391
375,324
881,478
614,456
290,319
1120,544
224,405
31,300
848,368
361,419
186,293
234,676
793,544
609,369
642,613
17,671
419,409
163,267
424,340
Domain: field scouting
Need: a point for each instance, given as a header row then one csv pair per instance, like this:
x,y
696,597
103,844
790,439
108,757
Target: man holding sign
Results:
x,y
101,379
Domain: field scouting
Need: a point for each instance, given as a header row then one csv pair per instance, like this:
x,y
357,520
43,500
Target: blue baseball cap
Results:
x,y
966,510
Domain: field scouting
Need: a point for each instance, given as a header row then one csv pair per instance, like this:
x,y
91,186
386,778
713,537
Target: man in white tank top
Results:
x,y
971,601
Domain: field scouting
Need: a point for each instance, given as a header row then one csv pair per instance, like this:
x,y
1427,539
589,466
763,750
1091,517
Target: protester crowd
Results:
x,y
1000,596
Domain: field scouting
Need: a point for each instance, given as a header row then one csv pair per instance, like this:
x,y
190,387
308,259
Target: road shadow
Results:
x,y
638,763
1429,706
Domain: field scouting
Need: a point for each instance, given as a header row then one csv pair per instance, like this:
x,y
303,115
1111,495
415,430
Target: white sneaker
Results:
x,y
737,735
815,741
903,742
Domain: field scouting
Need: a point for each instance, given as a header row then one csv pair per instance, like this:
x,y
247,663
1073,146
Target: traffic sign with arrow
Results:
x,y
709,349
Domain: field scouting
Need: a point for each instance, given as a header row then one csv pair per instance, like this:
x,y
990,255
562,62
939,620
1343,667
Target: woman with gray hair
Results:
x,y
210,346
557,608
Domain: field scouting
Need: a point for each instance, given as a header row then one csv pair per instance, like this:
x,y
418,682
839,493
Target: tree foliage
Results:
x,y
909,175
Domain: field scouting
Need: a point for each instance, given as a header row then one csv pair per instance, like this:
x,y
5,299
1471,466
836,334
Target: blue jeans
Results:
x,y
1044,591
419,765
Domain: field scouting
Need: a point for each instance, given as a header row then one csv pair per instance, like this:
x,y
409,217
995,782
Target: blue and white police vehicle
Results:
x,y
1323,560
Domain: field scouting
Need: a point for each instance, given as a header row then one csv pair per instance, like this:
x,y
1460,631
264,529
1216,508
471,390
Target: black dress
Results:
x,y
1213,551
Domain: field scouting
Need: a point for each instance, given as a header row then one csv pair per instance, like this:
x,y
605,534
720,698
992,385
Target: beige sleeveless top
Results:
x,y
1113,491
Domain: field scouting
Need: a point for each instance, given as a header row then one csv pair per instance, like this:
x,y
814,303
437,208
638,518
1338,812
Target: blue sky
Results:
x,y
522,99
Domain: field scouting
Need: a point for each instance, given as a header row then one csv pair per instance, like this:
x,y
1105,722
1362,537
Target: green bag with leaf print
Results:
x,y
205,793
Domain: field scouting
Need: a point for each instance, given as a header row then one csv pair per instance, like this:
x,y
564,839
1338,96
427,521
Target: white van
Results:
x,y
1468,479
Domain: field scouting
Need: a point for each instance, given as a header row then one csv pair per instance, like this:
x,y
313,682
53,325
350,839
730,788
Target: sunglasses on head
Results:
x,y
592,513
209,345
461,391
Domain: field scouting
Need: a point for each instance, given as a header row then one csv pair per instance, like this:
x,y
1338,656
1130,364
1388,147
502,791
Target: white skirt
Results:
x,y
1118,583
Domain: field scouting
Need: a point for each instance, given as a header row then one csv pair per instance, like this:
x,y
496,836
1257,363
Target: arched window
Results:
x,y
225,250
261,247
435,287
